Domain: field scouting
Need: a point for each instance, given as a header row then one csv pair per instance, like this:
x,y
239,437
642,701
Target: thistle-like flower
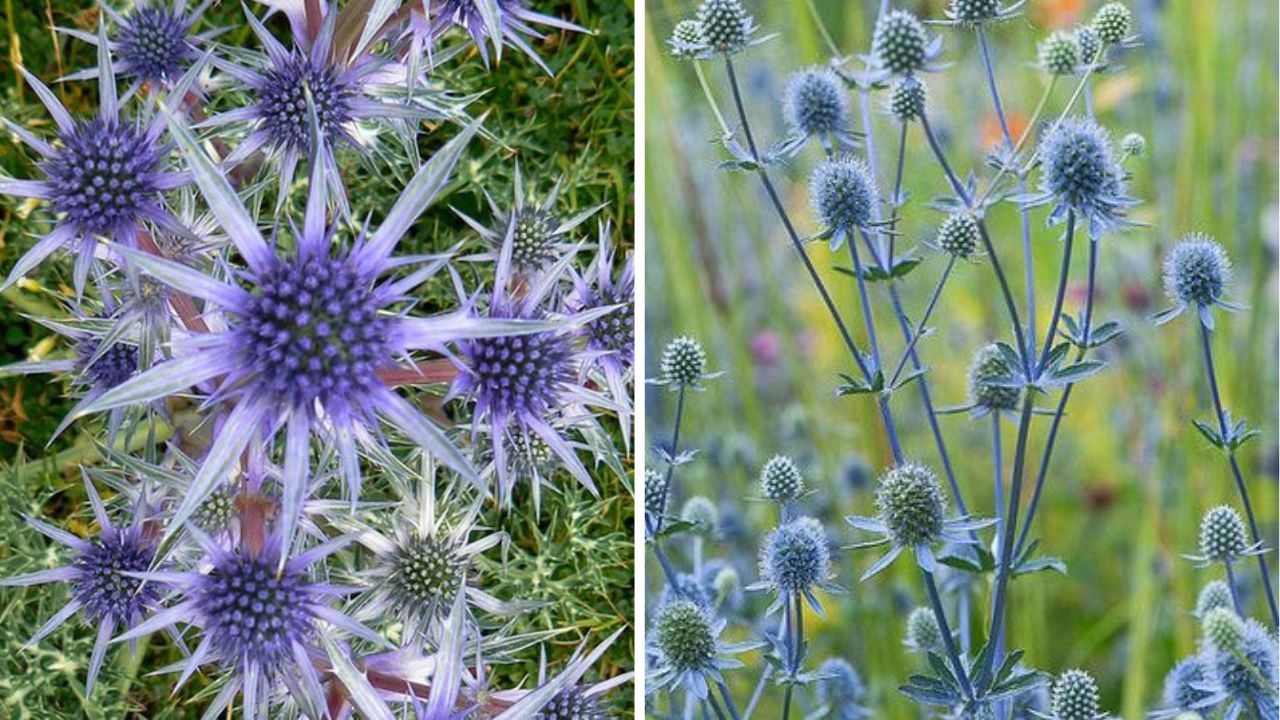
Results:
x,y
1215,594
104,586
912,516
683,365
907,102
902,46
726,26
780,480
1223,538
1133,145
1247,673
1196,274
991,383
1189,687
794,560
843,192
512,23
611,337
1075,696
958,236
816,105
1112,22
686,39
1079,174
923,634
840,690
1222,629
701,514
656,496
977,12
153,43
1060,53
688,650
103,179
1089,43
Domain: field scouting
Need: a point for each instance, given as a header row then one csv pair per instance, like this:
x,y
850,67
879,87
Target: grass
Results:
x,y
574,125
1130,477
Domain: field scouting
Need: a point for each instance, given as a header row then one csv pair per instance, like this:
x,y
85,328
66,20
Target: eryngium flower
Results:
x,y
112,367
1059,53
1112,23
1188,685
794,559
515,25
923,634
1079,174
103,178
780,479
1215,594
911,515
610,337
1222,629
656,497
843,192
686,39
987,371
1222,535
103,586
840,689
900,44
689,654
260,618
973,11
1089,43
701,514
684,362
1248,672
572,703
726,27
814,103
1075,696
908,99
1133,145
958,235
687,586
152,43
1196,271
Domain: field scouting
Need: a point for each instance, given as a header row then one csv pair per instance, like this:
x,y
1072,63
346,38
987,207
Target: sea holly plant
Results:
x,y
1065,179
310,422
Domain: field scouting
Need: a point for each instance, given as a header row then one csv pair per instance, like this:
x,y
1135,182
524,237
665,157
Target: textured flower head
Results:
x,y
153,44
685,636
103,179
656,497
726,26
901,46
795,558
923,634
686,39
1248,673
1079,174
1060,53
1075,696
958,235
1222,629
1196,271
780,480
610,337
573,703
1089,43
109,368
911,514
907,102
973,12
1187,686
843,192
1112,22
683,364
514,25
1222,535
1215,594
815,103
989,370
105,585
701,513
1133,145
840,688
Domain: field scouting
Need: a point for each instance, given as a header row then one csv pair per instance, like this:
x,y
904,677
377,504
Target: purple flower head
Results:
x,y
152,44
518,376
612,335
281,100
103,178
105,370
511,23
105,585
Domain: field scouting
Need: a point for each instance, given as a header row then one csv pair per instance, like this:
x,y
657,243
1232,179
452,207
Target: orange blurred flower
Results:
x,y
1059,14
991,135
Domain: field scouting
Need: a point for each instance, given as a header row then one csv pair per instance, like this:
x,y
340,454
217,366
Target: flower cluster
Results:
x,y
316,355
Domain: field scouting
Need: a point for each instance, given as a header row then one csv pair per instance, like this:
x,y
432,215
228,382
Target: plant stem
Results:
x,y
1009,523
787,644
675,451
1235,593
822,29
711,99
924,320
1028,263
1043,473
997,454
1235,469
1063,275
786,222
890,426
728,699
948,641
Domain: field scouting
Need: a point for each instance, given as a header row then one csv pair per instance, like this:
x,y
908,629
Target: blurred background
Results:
x,y
576,557
1130,477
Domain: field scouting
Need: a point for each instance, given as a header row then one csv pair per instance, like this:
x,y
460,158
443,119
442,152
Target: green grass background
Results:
x,y
1130,477
577,557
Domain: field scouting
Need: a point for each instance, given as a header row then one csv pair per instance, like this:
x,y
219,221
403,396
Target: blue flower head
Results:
x,y
989,374
901,46
840,689
815,104
1215,594
843,192
686,39
1189,686
1248,674
794,560
152,44
1196,271
1075,696
685,642
1079,174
